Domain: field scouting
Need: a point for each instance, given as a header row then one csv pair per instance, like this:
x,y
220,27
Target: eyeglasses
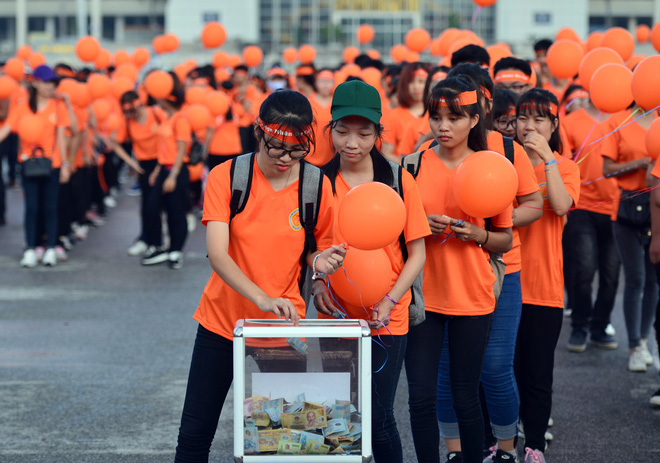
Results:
x,y
505,124
277,152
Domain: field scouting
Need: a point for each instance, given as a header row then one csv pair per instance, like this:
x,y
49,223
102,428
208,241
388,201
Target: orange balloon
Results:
x,y
595,59
30,128
7,87
398,53
199,116
350,53
99,85
87,48
234,60
457,45
367,279
567,33
112,122
446,39
352,70
101,109
365,34
373,54
372,76
610,88
485,3
159,84
195,95
121,85
159,45
371,216
36,59
121,57
417,39
81,98
219,59
171,42
68,86
290,55
496,53
213,35
218,103
485,184
594,40
564,58
645,88
435,48
24,52
634,61
619,40
412,57
14,67
253,56
102,60
307,54
643,33
141,56
128,70
221,75
653,139
655,36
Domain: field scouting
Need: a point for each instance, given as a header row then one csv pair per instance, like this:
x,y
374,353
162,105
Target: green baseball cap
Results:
x,y
356,98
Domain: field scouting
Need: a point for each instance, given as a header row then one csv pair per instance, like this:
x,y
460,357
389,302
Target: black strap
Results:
x,y
240,175
508,148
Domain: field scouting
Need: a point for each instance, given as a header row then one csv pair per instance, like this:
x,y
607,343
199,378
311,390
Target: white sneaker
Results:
x,y
80,231
192,222
176,259
39,250
609,329
138,248
636,361
50,258
29,259
534,456
648,358
110,202
61,253
551,423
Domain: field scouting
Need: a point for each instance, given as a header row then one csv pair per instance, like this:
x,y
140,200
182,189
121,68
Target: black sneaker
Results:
x,y
578,340
154,256
503,457
455,457
603,340
655,399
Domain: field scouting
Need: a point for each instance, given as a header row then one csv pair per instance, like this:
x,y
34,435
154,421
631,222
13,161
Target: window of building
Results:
x,y
36,24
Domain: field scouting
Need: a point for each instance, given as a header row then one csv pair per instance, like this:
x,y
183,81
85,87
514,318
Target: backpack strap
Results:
x,y
310,189
397,175
412,162
508,148
241,181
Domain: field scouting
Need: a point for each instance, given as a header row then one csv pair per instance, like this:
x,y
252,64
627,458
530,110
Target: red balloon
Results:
x,y
365,33
367,279
564,58
595,59
610,88
213,35
219,59
417,39
36,59
30,128
485,184
159,45
653,139
371,216
159,84
7,87
645,88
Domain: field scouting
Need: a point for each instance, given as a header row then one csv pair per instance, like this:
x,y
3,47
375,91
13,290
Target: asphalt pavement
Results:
x,y
94,357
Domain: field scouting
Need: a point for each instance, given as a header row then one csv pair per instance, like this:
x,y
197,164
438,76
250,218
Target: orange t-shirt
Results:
x,y
458,279
527,185
19,94
266,242
624,145
656,170
226,140
53,115
324,150
542,281
416,227
597,194
395,122
144,138
418,127
82,116
172,130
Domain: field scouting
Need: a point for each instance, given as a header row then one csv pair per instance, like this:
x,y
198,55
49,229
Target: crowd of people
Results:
x,y
480,366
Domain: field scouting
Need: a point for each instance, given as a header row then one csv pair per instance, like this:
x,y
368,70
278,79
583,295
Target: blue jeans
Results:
x,y
497,377
41,197
591,245
640,294
468,337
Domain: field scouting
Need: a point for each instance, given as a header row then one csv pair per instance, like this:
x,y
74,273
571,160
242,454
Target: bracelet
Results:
x,y
549,163
317,275
485,241
389,298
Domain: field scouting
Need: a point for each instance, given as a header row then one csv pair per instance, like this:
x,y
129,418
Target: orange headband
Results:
x,y
462,99
549,107
420,73
283,133
439,75
511,76
484,91
578,94
325,75
305,71
511,111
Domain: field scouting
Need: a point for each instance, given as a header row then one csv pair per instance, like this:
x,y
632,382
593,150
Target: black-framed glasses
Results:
x,y
505,124
277,152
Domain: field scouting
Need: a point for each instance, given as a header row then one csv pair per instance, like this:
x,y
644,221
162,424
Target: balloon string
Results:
x,y
474,17
448,235
387,355
577,155
624,125
342,311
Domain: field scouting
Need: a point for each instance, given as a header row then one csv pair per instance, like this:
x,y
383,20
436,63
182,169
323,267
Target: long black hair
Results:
x,y
288,108
538,102
484,83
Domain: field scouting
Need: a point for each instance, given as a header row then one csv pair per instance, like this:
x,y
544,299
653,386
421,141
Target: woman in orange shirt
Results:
x,y
458,278
256,260
355,125
321,101
41,193
542,280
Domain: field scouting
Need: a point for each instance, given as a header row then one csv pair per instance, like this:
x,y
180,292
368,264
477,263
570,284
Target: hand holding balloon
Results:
x,y
331,259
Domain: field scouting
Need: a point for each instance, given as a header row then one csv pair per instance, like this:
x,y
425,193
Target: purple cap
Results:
x,y
44,73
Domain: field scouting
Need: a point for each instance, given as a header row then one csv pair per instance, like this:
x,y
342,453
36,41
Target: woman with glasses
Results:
x,y
504,111
255,257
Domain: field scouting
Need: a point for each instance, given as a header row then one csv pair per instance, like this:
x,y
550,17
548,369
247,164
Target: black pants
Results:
x,y
534,363
143,180
175,204
81,192
41,195
65,209
8,149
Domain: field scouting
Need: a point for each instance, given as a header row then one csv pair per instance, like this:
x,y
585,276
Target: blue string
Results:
x,y
625,125
387,355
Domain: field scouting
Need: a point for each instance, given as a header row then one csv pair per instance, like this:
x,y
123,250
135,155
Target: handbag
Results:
x,y
416,311
196,154
37,166
635,208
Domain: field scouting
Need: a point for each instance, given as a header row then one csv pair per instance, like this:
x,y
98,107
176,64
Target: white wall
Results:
x,y
522,22
186,18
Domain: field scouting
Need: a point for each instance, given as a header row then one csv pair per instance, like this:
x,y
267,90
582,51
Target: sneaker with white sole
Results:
x,y
60,253
154,256
110,202
648,358
533,456
50,258
609,329
500,456
80,231
636,361
191,221
176,259
138,248
603,340
29,259
577,342
455,457
39,250
655,399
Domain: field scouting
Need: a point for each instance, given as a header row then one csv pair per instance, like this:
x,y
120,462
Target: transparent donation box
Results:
x,y
302,393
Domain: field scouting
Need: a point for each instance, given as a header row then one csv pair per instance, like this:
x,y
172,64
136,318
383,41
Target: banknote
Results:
x,y
338,451
295,436
293,407
301,398
269,440
249,423
250,440
337,427
316,448
306,437
341,411
253,404
298,344
312,418
288,448
261,419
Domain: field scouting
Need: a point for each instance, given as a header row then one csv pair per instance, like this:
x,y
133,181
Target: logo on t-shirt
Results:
x,y
544,190
294,220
